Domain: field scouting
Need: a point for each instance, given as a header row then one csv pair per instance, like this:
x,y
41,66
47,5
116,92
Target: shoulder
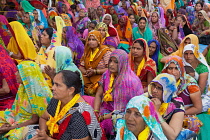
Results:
x,y
201,68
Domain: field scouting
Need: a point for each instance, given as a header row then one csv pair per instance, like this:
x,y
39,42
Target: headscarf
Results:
x,y
182,11
126,85
199,56
4,34
32,97
205,15
59,24
74,43
102,25
161,15
27,7
127,33
108,10
102,50
143,12
194,40
18,44
155,26
190,14
149,115
42,18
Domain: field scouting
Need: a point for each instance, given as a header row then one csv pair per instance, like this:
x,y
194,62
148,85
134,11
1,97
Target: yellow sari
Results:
x,y
21,42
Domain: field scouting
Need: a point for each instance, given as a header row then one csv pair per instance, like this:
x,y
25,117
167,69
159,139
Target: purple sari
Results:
x,y
81,25
4,34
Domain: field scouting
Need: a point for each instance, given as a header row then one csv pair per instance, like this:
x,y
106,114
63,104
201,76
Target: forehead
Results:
x,y
172,65
157,84
58,78
188,51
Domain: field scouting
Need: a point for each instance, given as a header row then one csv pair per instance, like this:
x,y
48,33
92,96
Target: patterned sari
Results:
x,y
7,72
4,34
147,111
147,65
32,98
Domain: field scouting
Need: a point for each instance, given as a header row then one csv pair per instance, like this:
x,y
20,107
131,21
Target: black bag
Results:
x,y
205,40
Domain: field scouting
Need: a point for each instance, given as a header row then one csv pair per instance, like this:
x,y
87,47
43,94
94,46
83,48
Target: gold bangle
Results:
x,y
98,72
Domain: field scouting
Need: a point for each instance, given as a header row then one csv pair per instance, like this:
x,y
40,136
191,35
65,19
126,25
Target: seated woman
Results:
x,y
8,82
30,103
131,18
141,121
124,30
72,41
107,39
40,19
187,87
94,61
75,120
201,23
141,63
65,16
110,10
169,108
183,26
117,86
143,30
154,53
20,48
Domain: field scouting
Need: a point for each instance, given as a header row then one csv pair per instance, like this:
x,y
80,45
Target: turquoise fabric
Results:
x,y
205,129
147,35
27,7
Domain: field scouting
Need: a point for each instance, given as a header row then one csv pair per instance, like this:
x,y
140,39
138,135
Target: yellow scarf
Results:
x,y
93,54
52,123
140,67
178,82
144,134
107,94
163,108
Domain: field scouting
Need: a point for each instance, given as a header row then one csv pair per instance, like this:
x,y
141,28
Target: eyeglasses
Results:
x,y
157,87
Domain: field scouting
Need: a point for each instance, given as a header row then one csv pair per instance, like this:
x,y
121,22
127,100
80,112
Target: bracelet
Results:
x,y
162,120
98,71
10,53
96,111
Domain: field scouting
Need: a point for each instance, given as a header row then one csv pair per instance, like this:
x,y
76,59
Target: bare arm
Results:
x,y
98,98
86,138
174,127
197,104
5,88
42,121
17,56
202,81
82,69
150,77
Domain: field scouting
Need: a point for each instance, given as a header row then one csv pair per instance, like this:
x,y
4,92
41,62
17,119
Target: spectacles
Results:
x,y
157,87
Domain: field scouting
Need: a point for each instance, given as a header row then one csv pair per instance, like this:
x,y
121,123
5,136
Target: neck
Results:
x,y
142,30
138,59
93,49
28,24
66,100
195,64
115,74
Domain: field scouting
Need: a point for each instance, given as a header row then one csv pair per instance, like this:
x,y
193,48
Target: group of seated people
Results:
x,y
130,71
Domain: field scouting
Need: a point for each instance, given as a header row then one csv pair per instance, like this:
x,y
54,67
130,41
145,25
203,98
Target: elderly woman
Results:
x,y
141,121
20,48
30,103
94,61
141,63
76,119
143,30
117,86
170,108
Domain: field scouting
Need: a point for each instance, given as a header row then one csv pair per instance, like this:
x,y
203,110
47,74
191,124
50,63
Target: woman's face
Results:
x,y
91,27
35,15
45,39
198,7
113,65
154,18
60,90
152,48
3,2
139,11
64,33
157,91
18,78
99,11
200,16
64,8
205,8
112,10
122,22
107,20
102,30
81,13
173,70
92,42
187,41
142,24
137,50
130,11
189,56
132,19
26,19
134,121
124,5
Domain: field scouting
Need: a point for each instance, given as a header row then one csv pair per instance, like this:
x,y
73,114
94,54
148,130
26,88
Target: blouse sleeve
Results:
x,y
77,128
201,68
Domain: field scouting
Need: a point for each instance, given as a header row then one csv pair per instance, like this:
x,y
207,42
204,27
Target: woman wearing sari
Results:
x,y
141,63
124,30
4,34
40,19
106,39
143,30
76,118
154,53
169,108
110,10
122,11
74,43
8,83
201,23
117,86
94,61
20,48
82,23
190,14
65,16
30,103
140,122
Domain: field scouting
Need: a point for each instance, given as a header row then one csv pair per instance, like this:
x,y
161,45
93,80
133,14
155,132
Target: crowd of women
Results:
x,y
90,69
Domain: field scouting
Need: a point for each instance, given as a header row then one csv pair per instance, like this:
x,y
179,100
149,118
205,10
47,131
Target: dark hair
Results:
x,y
49,32
73,7
53,19
72,79
170,12
93,22
189,69
11,5
141,43
199,2
131,15
142,18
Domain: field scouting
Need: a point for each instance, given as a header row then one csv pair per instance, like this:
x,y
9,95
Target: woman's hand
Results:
x,y
90,72
157,103
41,135
49,71
5,128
